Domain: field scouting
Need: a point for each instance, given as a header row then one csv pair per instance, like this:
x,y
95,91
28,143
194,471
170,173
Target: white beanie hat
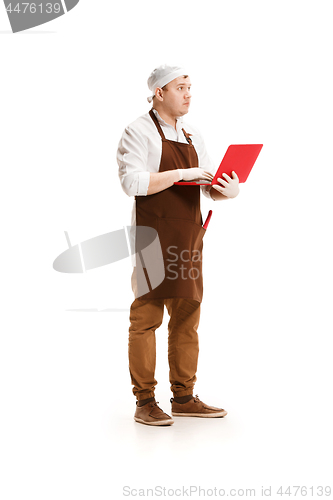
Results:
x,y
163,75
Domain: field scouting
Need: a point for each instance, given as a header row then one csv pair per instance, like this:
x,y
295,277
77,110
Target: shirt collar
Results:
x,y
179,121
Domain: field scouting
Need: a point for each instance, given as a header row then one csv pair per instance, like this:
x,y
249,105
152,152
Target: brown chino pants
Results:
x,y
183,345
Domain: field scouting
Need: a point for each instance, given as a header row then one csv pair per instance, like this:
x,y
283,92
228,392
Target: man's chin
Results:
x,y
183,112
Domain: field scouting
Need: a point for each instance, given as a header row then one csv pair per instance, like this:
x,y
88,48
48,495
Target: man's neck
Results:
x,y
170,120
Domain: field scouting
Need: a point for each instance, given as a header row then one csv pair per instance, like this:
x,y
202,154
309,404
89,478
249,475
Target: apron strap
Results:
x,y
153,117
159,128
187,136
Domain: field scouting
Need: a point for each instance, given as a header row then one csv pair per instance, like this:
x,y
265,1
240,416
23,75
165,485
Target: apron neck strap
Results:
x,y
159,128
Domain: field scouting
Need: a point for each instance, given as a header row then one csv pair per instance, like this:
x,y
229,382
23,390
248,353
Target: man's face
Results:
x,y
177,96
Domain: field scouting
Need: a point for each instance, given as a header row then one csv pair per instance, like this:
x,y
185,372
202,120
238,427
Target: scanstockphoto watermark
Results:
x,y
262,491
183,491
142,243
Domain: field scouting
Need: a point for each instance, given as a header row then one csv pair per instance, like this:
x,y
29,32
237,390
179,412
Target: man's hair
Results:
x,y
165,86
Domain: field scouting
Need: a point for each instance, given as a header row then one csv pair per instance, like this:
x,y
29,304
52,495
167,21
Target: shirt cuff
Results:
x,y
144,178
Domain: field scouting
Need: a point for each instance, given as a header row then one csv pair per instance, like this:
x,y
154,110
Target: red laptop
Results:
x,y
239,158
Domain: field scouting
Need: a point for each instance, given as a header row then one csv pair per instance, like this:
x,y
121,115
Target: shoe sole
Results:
x,y
203,415
161,422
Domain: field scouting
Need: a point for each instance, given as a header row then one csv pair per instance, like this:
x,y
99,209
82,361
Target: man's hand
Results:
x,y
230,186
158,181
192,174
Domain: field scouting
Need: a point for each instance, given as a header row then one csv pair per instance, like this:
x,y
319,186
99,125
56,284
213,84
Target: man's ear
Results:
x,y
159,93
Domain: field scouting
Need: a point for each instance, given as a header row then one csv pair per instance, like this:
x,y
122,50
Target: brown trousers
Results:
x,y
183,345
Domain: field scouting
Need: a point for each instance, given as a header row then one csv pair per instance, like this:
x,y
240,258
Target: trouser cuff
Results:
x,y
185,392
144,395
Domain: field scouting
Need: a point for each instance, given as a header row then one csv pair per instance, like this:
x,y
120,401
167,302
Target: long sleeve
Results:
x,y
132,157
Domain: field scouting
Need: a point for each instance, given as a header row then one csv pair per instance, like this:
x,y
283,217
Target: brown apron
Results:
x,y
176,216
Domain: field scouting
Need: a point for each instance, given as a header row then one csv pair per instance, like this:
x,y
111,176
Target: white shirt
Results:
x,y
140,149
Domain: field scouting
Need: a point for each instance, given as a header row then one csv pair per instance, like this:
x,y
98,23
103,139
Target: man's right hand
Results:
x,y
192,174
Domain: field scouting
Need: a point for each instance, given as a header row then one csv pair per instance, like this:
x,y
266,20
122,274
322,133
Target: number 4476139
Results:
x,y
32,8
304,491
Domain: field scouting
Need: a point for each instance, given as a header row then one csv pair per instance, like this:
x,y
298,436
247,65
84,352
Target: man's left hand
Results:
x,y
230,185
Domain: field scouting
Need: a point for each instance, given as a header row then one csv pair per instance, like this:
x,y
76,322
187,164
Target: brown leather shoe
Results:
x,y
151,414
195,408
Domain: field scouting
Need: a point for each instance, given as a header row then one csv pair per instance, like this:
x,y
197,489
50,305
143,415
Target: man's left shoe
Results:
x,y
195,408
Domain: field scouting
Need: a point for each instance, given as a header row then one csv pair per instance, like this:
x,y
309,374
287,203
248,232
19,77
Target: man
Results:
x,y
156,151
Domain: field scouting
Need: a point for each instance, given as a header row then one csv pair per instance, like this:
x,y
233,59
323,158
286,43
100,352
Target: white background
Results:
x,y
261,72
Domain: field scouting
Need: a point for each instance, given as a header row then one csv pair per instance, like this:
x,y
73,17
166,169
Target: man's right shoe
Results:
x,y
151,414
